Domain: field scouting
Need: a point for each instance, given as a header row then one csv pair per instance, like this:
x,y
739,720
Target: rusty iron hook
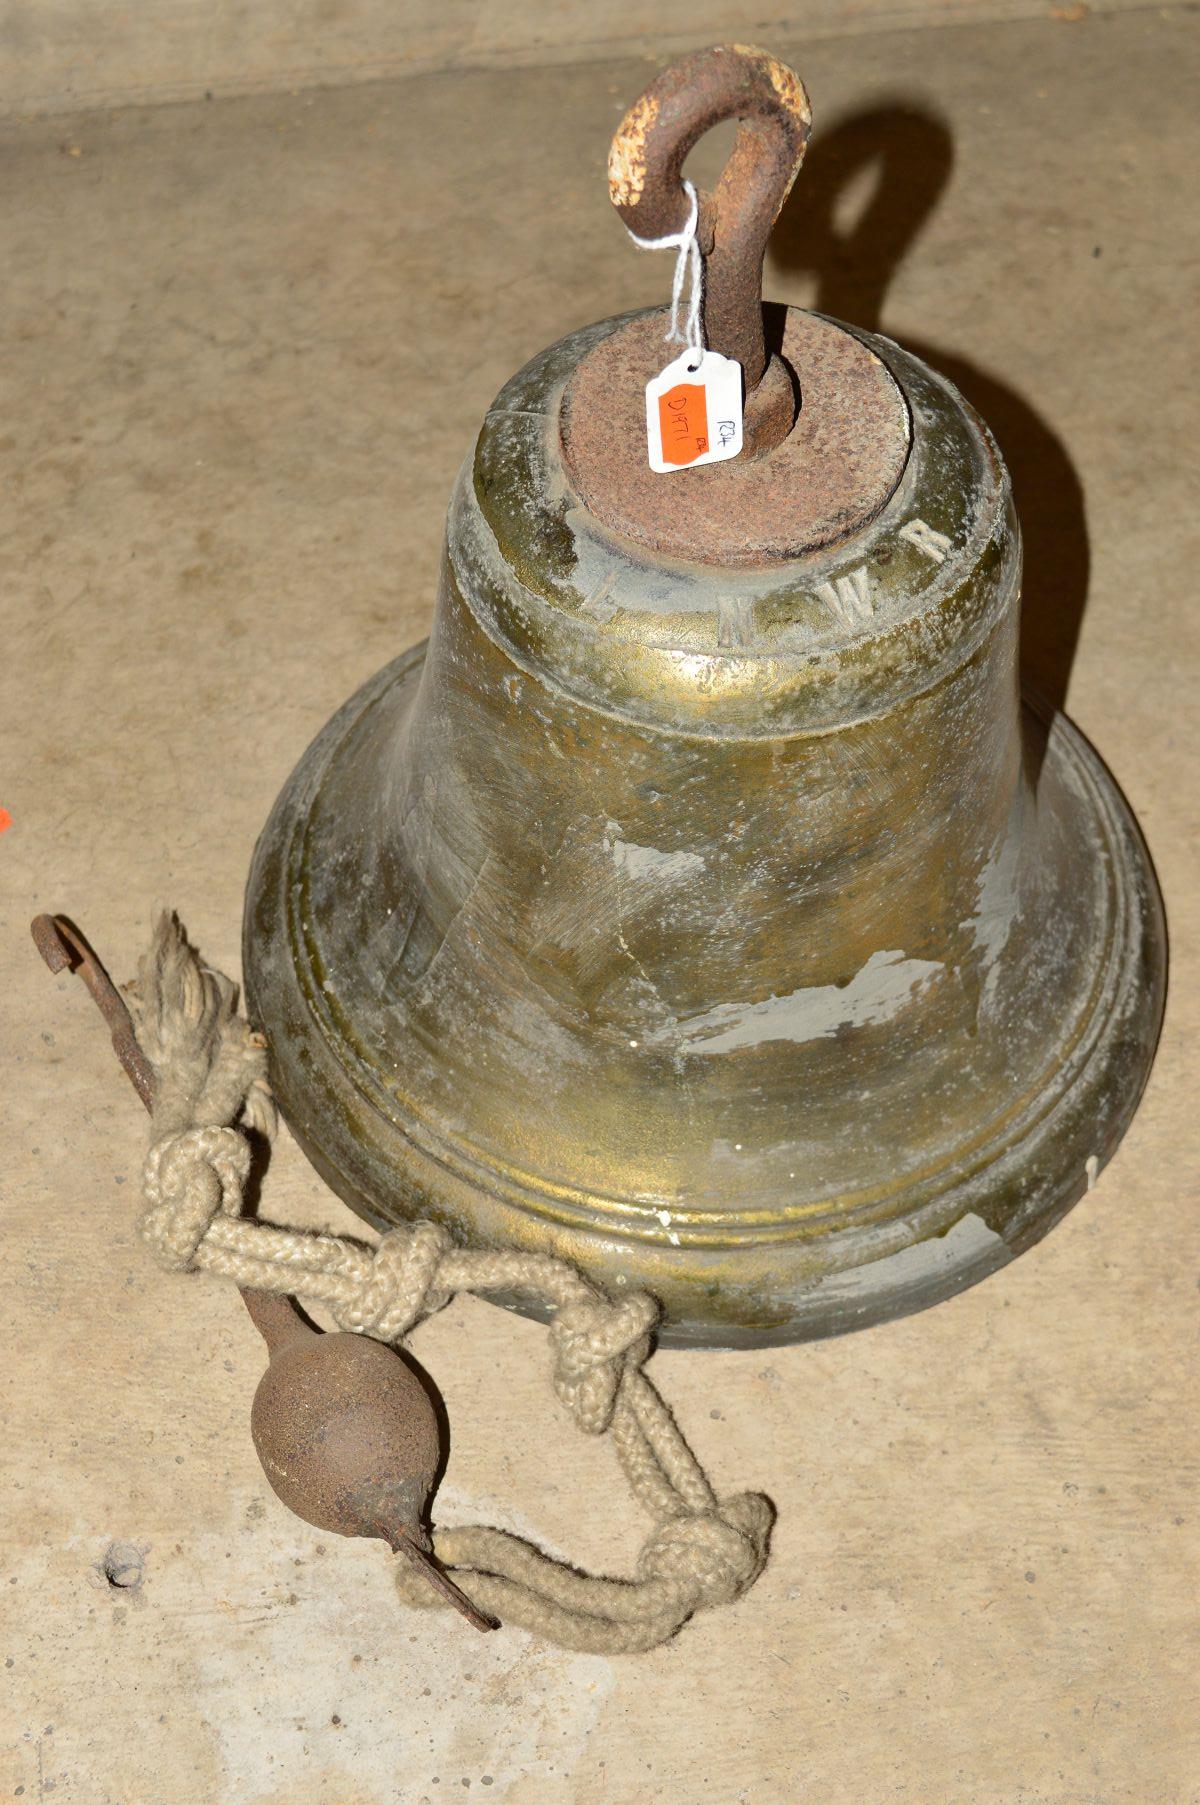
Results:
x,y
645,179
65,948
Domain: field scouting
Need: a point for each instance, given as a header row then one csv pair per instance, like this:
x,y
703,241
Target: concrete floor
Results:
x,y
246,345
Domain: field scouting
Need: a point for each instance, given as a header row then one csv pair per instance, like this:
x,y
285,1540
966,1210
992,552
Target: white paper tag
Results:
x,y
694,412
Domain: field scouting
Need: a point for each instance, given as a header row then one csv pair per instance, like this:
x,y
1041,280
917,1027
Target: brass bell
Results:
x,y
702,904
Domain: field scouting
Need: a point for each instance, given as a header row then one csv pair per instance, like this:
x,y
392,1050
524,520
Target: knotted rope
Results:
x,y
211,1094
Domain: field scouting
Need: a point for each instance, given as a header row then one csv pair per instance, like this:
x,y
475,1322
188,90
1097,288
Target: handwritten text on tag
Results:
x,y
694,412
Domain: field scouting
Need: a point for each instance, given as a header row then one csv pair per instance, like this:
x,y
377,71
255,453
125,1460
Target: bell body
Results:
x,y
701,905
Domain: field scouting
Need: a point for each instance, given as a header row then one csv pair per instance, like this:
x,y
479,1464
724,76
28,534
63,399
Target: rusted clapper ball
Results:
x,y
701,903
348,1437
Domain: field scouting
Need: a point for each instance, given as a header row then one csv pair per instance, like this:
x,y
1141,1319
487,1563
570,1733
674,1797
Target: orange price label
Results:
x,y
683,423
694,411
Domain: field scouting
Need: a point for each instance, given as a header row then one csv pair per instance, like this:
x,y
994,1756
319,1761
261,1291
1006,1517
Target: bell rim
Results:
x,y
428,1175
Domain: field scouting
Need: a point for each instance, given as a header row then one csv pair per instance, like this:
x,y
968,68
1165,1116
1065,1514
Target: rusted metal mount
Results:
x,y
832,474
64,948
645,179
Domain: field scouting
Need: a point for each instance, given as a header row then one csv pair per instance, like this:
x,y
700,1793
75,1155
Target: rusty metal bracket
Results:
x,y
65,948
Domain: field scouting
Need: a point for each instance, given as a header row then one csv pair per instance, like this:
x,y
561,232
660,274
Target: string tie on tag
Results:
x,y
688,265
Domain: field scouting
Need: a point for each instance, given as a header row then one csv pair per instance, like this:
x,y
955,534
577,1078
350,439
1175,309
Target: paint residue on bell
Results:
x,y
997,900
969,1242
880,990
650,863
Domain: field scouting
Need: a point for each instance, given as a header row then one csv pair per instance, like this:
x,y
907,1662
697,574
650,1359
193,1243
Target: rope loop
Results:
x,y
400,1287
714,1554
594,1343
189,1179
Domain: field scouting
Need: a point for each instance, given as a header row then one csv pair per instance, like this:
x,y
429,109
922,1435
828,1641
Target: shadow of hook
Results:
x,y
907,154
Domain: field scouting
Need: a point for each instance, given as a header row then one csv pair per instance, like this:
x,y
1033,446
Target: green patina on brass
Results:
x,y
728,929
